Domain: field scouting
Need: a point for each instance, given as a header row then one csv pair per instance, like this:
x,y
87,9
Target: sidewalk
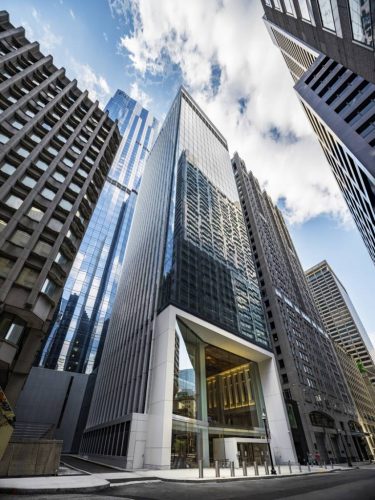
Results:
x,y
94,482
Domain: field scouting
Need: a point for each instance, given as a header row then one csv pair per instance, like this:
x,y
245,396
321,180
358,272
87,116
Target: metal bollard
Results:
x,y
217,468
299,467
256,471
279,469
266,469
324,465
290,467
308,467
200,466
332,464
231,469
244,468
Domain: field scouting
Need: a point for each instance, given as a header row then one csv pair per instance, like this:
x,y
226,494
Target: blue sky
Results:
x,y
148,48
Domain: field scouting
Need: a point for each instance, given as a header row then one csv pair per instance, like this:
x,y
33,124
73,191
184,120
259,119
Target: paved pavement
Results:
x,y
357,484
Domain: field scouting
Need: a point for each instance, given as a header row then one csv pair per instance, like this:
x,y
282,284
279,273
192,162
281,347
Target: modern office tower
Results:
x,y
55,152
363,393
339,316
314,388
76,337
328,47
187,368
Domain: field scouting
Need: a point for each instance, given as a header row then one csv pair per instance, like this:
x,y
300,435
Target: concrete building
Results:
x,y
328,47
363,393
187,368
314,388
75,340
56,150
341,320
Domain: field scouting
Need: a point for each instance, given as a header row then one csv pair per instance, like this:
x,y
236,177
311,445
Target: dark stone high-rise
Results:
x,y
56,148
314,388
328,47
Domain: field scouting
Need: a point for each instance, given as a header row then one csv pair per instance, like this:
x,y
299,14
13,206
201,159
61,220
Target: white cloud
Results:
x,y
96,84
105,36
72,15
139,95
47,38
198,35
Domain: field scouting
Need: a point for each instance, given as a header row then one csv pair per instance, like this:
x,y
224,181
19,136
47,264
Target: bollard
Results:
x,y
256,471
332,464
324,465
290,467
299,467
266,471
217,468
200,466
279,469
231,469
244,468
308,467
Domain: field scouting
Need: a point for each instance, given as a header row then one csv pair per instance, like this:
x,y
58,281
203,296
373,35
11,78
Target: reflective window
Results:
x,y
69,163
7,168
2,225
27,277
59,177
48,194
20,238
42,165
305,9
5,266
43,249
55,224
326,14
35,138
61,259
289,7
16,124
49,287
277,4
22,151
65,204
268,2
28,181
11,328
360,15
14,201
4,138
35,214
74,187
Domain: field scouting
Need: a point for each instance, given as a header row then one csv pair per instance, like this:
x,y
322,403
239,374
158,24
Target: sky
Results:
x,y
221,51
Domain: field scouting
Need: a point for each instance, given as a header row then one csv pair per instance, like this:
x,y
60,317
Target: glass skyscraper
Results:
x,y
187,367
76,338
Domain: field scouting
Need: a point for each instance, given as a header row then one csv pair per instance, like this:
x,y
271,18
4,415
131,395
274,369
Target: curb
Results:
x,y
46,491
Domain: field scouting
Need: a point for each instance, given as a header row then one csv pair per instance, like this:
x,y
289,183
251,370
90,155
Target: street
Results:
x,y
357,484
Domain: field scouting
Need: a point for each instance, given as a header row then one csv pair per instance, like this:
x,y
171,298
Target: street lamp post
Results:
x,y
339,432
264,418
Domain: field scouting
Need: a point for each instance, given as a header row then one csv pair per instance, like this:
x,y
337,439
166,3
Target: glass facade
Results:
x,y
77,335
208,267
360,16
305,9
216,396
326,13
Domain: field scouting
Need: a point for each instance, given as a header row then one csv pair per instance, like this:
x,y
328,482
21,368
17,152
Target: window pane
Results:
x,y
277,4
4,138
305,13
361,21
20,238
55,224
49,288
7,168
22,152
43,249
2,224
65,204
48,194
42,165
14,201
59,177
35,214
27,277
289,7
5,267
326,14
28,181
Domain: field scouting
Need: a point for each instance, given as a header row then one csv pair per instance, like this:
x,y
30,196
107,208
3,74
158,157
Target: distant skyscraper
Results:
x,y
315,390
56,148
328,47
76,338
187,368
340,318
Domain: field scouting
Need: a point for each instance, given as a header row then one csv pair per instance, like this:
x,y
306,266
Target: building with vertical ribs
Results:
x,y
187,367
341,320
314,388
56,148
328,47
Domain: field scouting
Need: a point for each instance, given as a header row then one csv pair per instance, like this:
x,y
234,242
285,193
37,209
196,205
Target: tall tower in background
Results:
x,y
77,335
340,318
56,148
314,387
187,367
328,47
